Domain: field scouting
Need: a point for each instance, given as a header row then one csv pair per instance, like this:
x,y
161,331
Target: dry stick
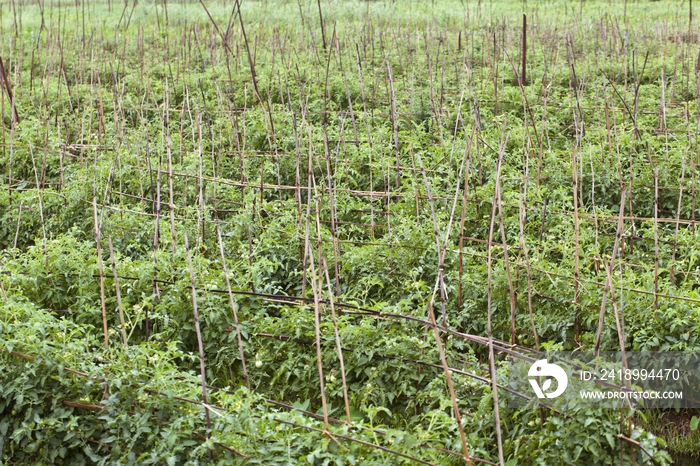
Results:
x,y
492,365
577,298
39,198
678,218
119,295
200,211
20,208
347,93
233,307
523,77
297,157
526,104
310,174
468,149
495,76
506,260
199,333
656,239
157,207
12,152
544,217
636,90
168,144
662,103
323,26
608,284
297,182
369,134
450,386
581,133
618,320
332,208
692,173
98,241
395,121
339,348
317,303
636,444
528,267
441,250
100,113
437,108
441,285
8,88
629,112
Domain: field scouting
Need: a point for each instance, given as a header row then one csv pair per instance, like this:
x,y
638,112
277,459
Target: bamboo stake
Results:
x,y
619,323
450,386
506,261
462,220
332,208
200,211
98,241
528,266
577,303
323,25
41,203
20,208
492,365
233,308
495,77
608,283
317,320
10,95
656,239
440,286
119,295
523,74
200,346
339,348
171,204
395,121
678,219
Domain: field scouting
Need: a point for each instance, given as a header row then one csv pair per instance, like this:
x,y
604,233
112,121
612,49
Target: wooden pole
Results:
x,y
6,83
119,295
102,276
523,75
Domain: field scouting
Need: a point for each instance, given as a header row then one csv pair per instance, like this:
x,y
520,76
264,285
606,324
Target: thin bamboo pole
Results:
x,y
98,241
200,346
122,325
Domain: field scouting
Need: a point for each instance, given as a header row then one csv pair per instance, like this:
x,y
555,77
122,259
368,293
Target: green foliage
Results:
x,y
134,104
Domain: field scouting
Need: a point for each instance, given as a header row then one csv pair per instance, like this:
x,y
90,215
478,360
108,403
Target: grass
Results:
x,y
674,428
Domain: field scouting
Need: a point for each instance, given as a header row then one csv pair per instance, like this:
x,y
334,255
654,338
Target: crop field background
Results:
x,y
288,232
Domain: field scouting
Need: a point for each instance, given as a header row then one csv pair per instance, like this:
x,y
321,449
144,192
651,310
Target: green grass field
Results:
x,y
292,232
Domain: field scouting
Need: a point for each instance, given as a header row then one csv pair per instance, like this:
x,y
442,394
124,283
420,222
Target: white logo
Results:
x,y
541,368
